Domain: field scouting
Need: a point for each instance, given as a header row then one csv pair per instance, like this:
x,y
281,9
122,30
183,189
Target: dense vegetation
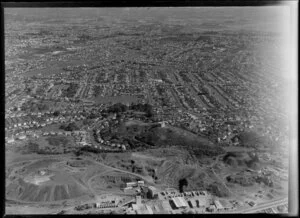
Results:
x,y
71,90
118,108
253,139
33,147
32,106
57,140
242,159
138,135
182,182
69,127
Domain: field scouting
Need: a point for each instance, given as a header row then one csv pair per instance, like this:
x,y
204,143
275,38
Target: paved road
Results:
x,y
263,206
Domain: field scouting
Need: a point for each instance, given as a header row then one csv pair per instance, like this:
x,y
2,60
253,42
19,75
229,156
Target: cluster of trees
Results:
x,y
184,76
147,108
118,108
85,37
71,90
69,127
15,92
33,147
206,150
264,179
241,180
56,113
87,122
92,116
32,106
94,150
135,144
57,140
252,139
182,182
164,77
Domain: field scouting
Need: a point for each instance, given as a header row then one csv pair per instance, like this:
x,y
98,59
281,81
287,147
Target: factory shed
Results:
x,y
149,209
179,202
142,209
193,203
218,205
226,205
131,184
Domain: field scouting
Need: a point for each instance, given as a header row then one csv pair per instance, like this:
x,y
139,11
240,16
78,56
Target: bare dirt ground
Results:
x,y
76,180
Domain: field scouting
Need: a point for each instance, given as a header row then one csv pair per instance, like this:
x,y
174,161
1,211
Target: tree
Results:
x,y
69,127
78,153
56,113
116,108
149,112
182,182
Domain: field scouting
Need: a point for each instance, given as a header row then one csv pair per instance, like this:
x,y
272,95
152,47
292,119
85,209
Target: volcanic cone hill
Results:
x,y
25,191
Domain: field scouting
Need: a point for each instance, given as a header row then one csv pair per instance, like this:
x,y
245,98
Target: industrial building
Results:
x,y
126,189
141,182
192,203
179,202
152,192
211,208
131,184
144,191
135,184
138,200
226,205
149,209
218,205
142,209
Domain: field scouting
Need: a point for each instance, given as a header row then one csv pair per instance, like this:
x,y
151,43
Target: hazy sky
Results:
x,y
271,18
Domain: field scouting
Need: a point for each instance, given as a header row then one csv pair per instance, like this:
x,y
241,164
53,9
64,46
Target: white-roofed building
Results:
x,y
183,201
22,137
193,203
226,205
149,209
10,140
131,184
179,202
152,192
218,205
141,182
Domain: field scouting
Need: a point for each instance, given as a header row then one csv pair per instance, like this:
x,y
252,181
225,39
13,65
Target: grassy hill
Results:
x,y
138,134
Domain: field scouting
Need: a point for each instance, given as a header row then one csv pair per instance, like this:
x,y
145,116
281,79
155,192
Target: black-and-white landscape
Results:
x,y
147,110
